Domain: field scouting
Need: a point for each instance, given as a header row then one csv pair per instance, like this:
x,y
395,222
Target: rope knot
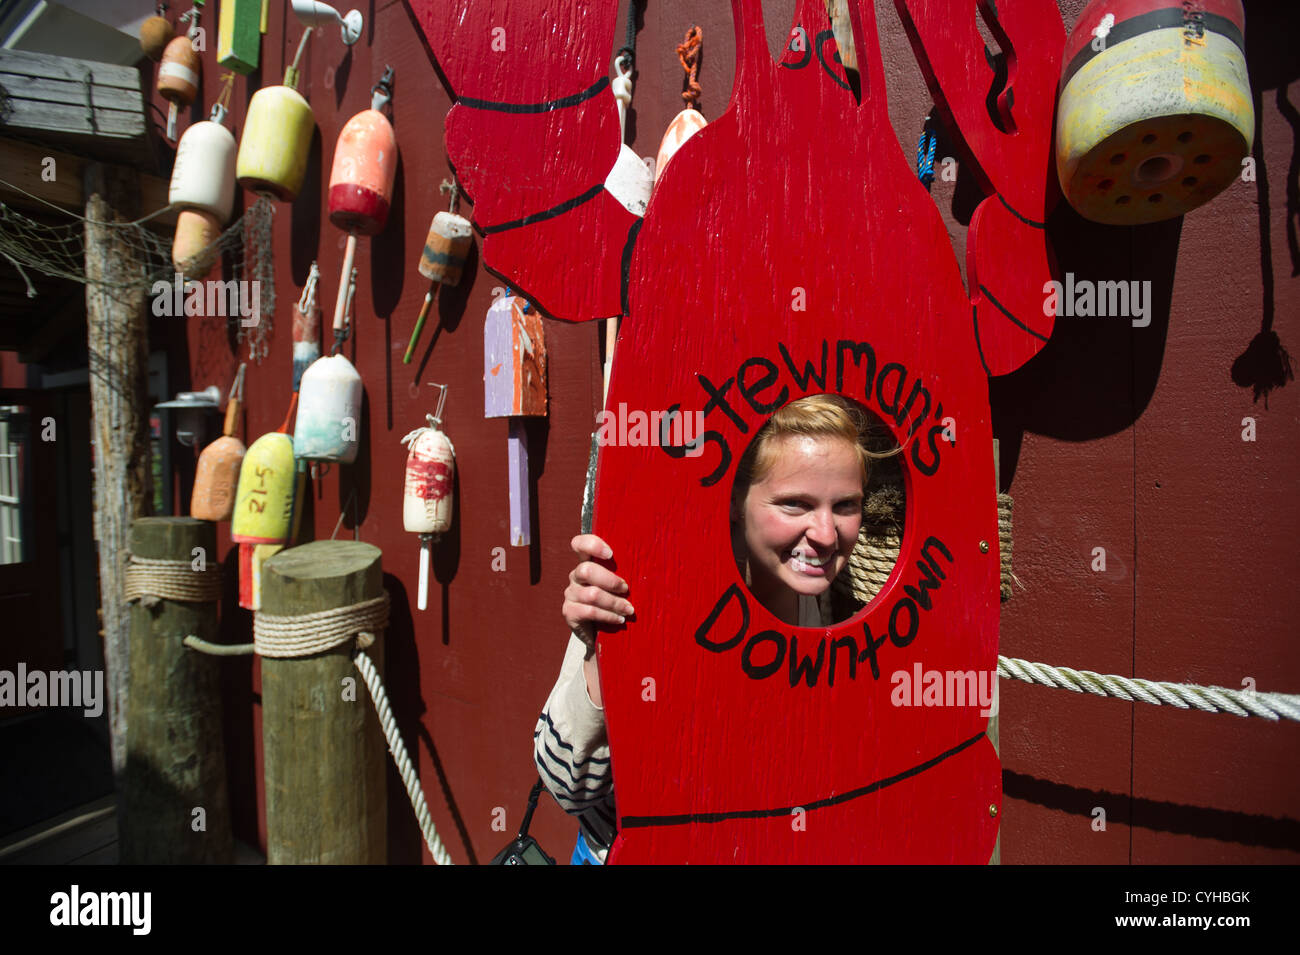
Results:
x,y
688,53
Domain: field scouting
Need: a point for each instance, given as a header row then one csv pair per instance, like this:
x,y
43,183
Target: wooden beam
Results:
x,y
96,106
23,170
118,341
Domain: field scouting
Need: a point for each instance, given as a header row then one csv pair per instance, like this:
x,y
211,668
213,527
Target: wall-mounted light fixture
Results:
x,y
311,13
193,410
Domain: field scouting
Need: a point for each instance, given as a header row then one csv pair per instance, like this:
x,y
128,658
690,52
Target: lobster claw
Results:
x,y
1009,255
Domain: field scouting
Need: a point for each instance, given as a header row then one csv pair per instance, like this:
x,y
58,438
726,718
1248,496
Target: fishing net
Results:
x,y
57,248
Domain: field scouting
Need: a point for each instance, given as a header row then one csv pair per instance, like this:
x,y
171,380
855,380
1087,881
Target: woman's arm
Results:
x,y
572,752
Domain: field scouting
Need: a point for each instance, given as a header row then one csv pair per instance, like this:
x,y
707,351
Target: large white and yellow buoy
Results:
x,y
1155,113
277,137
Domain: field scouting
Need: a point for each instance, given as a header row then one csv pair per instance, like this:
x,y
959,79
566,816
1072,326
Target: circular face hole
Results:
x,y
1105,184
1155,197
1155,169
1189,181
1148,139
811,542
1185,137
1123,200
1202,159
1116,159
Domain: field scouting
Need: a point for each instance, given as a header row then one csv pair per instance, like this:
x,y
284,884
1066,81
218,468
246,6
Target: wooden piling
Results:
x,y
326,800
175,756
118,346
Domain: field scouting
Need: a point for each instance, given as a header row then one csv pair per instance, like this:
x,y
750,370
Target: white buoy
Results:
x,y
328,425
203,176
428,493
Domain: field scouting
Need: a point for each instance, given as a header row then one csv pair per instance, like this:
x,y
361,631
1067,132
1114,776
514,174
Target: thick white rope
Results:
x,y
1210,699
401,757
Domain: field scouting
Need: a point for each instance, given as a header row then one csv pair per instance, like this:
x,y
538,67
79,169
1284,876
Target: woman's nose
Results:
x,y
821,528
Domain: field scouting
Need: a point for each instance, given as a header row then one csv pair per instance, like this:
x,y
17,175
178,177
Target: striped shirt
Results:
x,y
572,753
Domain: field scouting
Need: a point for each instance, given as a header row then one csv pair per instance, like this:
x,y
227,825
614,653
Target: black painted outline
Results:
x,y
979,345
1146,23
1024,219
998,305
551,213
821,40
625,267
543,107
643,822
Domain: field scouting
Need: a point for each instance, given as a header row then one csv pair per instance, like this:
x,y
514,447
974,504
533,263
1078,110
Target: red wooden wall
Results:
x,y
1114,437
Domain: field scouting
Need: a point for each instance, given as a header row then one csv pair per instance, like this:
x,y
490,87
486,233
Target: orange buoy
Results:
x,y
178,78
441,262
155,33
361,178
1155,113
684,125
217,475
194,252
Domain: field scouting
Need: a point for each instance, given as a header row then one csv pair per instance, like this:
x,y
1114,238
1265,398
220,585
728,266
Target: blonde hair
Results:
x,y
813,416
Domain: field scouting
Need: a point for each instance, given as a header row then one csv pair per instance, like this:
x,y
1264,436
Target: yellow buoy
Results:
x,y
277,137
264,501
1155,113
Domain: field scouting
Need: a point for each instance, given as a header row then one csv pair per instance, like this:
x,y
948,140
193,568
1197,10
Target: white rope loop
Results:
x,y
1209,699
301,635
402,758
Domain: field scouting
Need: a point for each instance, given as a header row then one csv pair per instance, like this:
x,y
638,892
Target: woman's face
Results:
x,y
802,519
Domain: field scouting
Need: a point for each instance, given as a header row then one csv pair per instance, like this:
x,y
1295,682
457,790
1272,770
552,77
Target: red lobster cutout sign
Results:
x,y
795,187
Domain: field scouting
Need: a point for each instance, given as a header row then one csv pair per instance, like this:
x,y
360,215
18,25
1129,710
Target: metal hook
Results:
x,y
435,419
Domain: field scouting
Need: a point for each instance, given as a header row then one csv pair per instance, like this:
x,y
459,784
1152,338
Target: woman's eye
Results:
x,y
848,507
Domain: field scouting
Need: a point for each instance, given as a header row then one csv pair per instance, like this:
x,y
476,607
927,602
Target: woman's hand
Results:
x,y
595,594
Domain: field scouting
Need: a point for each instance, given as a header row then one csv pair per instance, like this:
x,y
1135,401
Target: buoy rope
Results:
x,y
150,580
628,50
452,188
402,758
925,149
688,54
301,635
217,649
1210,699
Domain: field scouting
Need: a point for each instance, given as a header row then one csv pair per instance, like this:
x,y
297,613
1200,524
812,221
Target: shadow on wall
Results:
x,y
402,678
1270,31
